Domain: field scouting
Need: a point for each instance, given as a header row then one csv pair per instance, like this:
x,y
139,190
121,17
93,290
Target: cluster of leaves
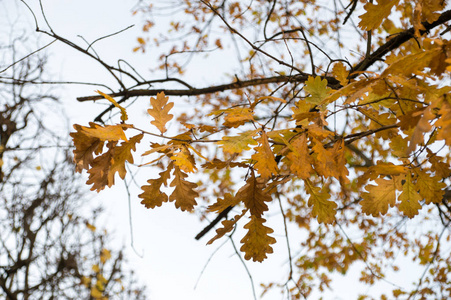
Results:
x,y
343,144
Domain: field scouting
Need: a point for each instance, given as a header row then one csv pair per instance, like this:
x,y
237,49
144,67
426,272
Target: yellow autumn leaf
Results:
x,y
236,116
184,194
322,208
409,197
103,133
431,188
444,123
104,167
223,203
317,88
239,143
376,13
299,157
95,268
160,111
184,160
95,293
340,73
256,242
124,116
227,226
152,195
379,197
253,196
86,281
264,157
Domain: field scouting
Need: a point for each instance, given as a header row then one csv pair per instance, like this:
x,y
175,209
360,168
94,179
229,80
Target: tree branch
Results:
x,y
333,83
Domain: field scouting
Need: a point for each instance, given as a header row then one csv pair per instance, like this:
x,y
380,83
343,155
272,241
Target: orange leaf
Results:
x,y
85,148
228,225
379,197
235,116
238,144
184,194
266,164
300,157
107,133
430,188
160,111
256,242
253,196
152,195
222,204
322,208
124,116
317,88
184,160
410,199
444,123
100,166
376,13
104,167
340,73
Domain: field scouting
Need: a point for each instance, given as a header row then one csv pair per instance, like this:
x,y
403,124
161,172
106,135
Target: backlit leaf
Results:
x,y
410,199
124,116
256,242
264,157
379,197
300,157
239,143
224,203
227,226
184,194
160,111
152,195
376,13
322,208
317,88
253,196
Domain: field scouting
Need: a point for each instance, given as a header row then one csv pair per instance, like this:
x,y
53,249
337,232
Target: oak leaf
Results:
x,y
379,197
227,226
160,111
253,196
184,160
99,171
376,13
85,148
107,133
104,167
239,143
429,187
265,163
317,88
222,204
340,73
122,154
184,194
441,169
124,116
322,208
300,157
444,123
235,116
409,197
256,242
152,195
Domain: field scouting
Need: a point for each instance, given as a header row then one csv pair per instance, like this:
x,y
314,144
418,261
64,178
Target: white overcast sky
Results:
x,y
171,259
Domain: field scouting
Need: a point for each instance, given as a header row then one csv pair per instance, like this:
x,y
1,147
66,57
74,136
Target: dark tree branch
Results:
x,y
213,89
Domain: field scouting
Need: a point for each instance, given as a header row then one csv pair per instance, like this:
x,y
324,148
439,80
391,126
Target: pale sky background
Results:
x,y
172,260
